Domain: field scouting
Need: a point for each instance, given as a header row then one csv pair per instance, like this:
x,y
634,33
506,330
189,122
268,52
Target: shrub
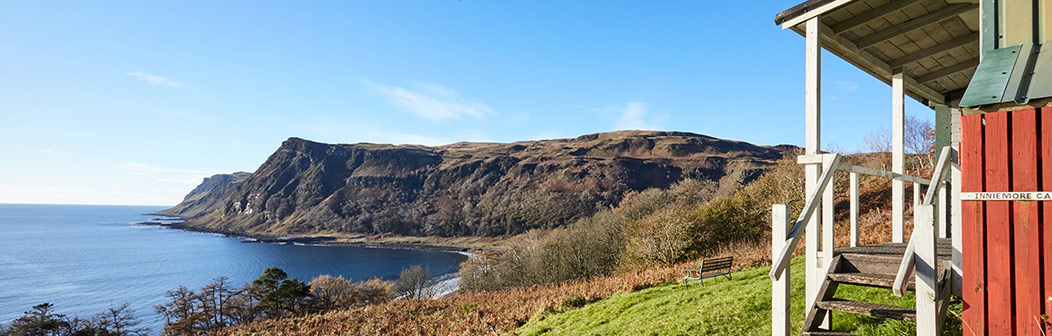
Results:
x,y
412,283
333,292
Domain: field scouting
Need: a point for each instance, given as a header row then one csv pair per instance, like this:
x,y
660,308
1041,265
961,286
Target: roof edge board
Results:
x,y
807,10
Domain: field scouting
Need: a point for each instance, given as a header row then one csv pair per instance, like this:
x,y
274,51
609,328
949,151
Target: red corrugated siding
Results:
x,y
1005,257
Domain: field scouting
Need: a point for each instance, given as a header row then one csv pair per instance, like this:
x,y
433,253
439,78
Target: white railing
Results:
x,y
783,244
921,256
793,237
908,263
779,263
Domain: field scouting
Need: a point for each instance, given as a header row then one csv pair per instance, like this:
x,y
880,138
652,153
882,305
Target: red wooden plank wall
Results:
x,y
998,231
1045,150
973,230
1005,257
1026,248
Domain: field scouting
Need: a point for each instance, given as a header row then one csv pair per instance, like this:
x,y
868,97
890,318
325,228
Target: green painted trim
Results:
x,y
988,33
993,77
942,128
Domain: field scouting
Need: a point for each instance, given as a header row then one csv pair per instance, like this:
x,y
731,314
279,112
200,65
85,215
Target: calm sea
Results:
x,y
84,258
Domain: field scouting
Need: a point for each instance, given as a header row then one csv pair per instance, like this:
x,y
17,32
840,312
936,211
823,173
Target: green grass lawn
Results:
x,y
741,306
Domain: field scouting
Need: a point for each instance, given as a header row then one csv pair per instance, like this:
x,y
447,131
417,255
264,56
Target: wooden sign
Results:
x,y
1007,196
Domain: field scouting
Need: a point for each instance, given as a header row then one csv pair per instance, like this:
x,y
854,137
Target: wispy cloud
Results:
x,y
431,101
547,135
183,114
634,117
337,131
520,117
847,85
474,136
193,180
436,89
51,151
136,167
158,80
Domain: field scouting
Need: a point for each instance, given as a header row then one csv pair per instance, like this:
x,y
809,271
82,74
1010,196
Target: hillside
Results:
x,y
605,274
207,196
482,189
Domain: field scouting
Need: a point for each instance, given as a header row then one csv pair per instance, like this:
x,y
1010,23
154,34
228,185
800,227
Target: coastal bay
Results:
x,y
84,259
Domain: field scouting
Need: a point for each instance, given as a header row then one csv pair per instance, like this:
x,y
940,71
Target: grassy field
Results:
x,y
741,306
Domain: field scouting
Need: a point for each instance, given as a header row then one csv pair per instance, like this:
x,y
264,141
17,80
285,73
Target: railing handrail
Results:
x,y
793,238
907,264
882,173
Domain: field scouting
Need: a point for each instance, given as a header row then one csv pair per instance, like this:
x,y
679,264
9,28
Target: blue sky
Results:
x,y
134,102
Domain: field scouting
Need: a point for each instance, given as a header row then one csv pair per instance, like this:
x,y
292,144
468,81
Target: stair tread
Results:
x,y
869,279
827,333
869,308
881,258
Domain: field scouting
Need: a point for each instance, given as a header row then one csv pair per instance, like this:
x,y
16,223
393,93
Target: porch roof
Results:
x,y
935,42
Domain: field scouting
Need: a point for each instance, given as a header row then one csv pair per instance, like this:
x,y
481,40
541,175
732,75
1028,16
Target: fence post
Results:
x,y
828,226
779,288
926,270
941,220
916,192
854,209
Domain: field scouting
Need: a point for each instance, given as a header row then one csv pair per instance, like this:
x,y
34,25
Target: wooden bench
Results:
x,y
710,268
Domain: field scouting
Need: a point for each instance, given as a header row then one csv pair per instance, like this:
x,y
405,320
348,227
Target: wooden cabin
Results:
x,y
984,69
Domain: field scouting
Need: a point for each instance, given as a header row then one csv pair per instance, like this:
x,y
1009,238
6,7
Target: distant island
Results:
x,y
369,190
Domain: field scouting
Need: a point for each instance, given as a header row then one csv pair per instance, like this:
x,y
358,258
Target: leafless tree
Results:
x,y
412,283
216,298
918,138
120,320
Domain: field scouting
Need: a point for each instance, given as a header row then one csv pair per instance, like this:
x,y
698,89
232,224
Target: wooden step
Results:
x,y
869,308
870,263
944,249
869,279
826,333
874,258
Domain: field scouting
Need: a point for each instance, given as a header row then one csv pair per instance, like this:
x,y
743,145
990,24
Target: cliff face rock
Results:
x,y
461,188
207,196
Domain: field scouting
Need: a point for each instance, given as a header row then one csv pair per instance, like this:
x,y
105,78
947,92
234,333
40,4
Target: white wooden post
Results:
x,y
955,199
926,270
941,223
854,209
812,146
827,216
916,193
897,156
955,221
779,288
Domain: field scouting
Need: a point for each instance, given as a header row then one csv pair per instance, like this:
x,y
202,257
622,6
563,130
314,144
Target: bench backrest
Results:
x,y
715,264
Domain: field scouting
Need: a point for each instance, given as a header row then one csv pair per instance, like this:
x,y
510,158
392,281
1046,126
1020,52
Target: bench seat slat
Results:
x,y
715,267
711,268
